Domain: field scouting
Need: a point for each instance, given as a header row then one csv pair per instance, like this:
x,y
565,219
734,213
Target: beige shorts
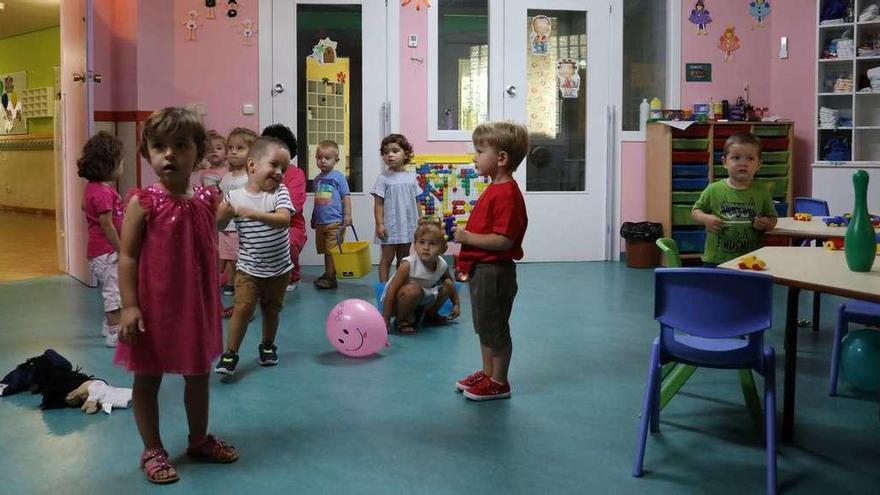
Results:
x,y
106,270
269,292
328,236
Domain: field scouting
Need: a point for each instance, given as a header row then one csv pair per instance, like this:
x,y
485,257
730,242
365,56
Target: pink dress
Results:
x,y
178,280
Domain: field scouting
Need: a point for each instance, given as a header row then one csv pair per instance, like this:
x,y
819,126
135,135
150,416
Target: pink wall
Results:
x,y
787,87
414,87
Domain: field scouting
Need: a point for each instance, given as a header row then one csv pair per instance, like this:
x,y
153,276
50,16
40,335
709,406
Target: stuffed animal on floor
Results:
x,y
94,393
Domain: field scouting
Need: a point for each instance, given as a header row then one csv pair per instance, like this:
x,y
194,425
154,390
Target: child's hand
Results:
x,y
714,224
248,213
346,221
460,235
380,231
762,223
225,209
130,325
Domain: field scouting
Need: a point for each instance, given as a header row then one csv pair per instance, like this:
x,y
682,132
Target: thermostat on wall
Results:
x,y
412,41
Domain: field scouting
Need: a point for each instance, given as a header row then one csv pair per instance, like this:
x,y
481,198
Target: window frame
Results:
x,y
673,68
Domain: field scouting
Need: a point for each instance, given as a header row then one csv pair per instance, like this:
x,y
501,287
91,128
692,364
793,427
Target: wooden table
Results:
x,y
818,270
813,229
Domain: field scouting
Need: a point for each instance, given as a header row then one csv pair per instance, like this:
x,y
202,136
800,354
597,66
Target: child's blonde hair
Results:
x,y
743,138
329,144
216,136
509,137
247,135
169,121
431,227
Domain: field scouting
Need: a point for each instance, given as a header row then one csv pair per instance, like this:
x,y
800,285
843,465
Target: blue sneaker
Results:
x,y
228,362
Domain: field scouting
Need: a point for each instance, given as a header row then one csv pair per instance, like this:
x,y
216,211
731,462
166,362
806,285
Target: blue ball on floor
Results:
x,y
443,311
860,359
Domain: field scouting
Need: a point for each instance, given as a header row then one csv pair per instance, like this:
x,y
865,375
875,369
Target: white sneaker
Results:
x,y
292,287
112,338
105,330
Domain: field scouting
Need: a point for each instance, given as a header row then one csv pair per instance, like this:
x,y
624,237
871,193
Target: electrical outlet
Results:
x,y
412,41
247,109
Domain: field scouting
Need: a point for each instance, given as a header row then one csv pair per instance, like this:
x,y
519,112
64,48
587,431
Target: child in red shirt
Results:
x,y
490,242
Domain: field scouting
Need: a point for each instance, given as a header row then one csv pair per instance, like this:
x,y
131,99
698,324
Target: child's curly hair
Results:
x,y
401,141
100,156
431,227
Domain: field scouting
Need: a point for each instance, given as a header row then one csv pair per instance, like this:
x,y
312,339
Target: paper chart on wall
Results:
x,y
12,118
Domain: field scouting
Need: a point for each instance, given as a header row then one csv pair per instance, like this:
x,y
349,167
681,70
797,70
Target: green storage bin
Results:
x,y
771,130
690,144
774,157
685,197
681,215
777,187
773,170
719,171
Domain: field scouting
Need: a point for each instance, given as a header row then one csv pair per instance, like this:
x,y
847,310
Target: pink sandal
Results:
x,y
214,450
154,461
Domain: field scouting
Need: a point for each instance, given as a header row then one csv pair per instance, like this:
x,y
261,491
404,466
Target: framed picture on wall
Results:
x,y
698,72
12,119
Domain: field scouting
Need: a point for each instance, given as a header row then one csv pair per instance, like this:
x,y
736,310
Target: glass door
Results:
x,y
556,82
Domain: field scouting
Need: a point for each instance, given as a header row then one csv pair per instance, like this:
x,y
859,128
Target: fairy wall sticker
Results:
x,y
569,79
701,17
729,43
540,34
248,29
759,9
210,5
419,3
231,9
191,24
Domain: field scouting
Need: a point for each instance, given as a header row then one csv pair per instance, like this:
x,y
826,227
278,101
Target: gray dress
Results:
x,y
399,190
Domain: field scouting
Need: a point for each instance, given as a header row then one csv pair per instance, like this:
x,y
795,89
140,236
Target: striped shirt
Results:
x,y
263,251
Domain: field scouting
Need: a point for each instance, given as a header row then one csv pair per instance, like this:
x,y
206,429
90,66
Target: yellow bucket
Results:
x,y
352,258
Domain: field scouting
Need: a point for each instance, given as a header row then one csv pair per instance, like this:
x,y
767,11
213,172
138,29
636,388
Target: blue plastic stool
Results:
x,y
443,311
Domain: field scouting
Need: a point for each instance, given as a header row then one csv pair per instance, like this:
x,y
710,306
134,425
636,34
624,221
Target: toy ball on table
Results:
x,y
860,359
356,328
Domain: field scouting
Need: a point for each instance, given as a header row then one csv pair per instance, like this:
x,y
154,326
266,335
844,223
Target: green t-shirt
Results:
x,y
738,210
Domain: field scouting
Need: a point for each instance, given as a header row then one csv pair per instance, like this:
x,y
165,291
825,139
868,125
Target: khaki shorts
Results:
x,y
328,236
106,270
493,289
269,292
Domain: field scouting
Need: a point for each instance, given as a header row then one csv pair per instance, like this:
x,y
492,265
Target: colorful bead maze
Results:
x,y
450,188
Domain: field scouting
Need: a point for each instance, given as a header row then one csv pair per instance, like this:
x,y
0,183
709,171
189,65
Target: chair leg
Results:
x,y
817,307
750,394
673,383
647,402
666,369
770,416
840,331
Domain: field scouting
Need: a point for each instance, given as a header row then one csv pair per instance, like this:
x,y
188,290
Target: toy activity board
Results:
x,y
450,188
327,101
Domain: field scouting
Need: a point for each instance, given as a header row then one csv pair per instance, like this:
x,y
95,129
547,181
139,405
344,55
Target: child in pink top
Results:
x,y
295,181
101,165
168,278
217,159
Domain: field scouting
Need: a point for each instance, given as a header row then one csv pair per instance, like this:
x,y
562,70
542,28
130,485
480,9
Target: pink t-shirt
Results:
x,y
98,198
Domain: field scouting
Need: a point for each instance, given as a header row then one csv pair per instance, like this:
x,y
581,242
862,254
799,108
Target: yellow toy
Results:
x,y
752,262
803,217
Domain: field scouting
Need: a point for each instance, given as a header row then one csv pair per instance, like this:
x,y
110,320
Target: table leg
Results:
x,y
817,305
791,331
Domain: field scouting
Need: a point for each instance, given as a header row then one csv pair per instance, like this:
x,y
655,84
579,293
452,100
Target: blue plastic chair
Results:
x,y
863,312
716,319
819,208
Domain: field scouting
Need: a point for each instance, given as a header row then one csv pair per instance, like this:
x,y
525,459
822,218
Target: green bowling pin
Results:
x,y
860,242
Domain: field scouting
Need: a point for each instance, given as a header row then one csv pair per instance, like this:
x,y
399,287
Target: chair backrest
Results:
x,y
813,206
713,303
670,249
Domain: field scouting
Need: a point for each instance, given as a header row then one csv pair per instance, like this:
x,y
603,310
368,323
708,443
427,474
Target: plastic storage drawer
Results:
x,y
681,215
717,157
697,157
719,171
774,144
690,241
781,208
774,157
771,130
685,197
725,131
690,184
690,144
685,171
694,131
771,170
718,144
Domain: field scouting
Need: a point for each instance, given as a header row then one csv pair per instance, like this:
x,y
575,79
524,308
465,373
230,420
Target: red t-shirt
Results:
x,y
501,210
99,198
295,181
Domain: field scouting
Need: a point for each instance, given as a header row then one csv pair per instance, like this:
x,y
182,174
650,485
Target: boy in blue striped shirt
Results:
x,y
261,211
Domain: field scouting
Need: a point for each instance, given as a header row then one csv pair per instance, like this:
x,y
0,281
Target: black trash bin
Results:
x,y
641,249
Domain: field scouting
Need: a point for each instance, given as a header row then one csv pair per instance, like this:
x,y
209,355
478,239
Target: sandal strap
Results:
x,y
214,446
158,460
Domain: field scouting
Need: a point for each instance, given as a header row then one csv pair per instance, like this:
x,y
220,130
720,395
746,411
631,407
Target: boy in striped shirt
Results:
x,y
261,211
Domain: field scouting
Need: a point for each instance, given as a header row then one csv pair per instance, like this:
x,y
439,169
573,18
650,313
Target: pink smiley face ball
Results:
x,y
356,328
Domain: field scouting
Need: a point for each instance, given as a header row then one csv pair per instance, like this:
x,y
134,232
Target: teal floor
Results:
x,y
392,424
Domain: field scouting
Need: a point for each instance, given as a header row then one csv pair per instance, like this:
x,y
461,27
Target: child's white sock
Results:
x,y
112,336
105,329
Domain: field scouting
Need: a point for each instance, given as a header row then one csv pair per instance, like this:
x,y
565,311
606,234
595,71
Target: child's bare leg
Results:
x,y
145,402
329,267
401,251
486,354
241,316
270,322
408,297
500,363
113,317
388,252
195,399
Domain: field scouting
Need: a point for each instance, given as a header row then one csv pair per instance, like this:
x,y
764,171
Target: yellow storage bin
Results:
x,y
352,258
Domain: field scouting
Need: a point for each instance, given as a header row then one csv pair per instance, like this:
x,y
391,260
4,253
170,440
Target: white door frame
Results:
x,y
381,27
582,236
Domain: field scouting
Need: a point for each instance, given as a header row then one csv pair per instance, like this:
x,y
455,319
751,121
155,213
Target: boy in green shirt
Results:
x,y
734,212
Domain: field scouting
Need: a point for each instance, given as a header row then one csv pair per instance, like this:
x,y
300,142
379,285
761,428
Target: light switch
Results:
x,y
783,47
412,41
247,109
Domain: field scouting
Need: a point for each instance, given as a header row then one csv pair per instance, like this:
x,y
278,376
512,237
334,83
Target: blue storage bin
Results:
x,y
781,208
685,171
690,241
690,184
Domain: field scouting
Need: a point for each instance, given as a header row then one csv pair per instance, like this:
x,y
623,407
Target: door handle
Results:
x,y
79,77
511,90
97,77
278,88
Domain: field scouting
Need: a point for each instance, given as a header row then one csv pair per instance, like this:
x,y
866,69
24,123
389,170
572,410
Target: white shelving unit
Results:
x,y
862,108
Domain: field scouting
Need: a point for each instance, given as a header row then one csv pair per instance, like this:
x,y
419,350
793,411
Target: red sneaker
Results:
x,y
488,389
470,381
